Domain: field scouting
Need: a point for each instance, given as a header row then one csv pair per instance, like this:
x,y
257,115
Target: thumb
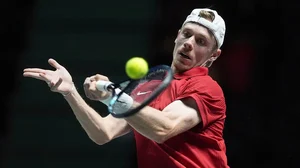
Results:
x,y
54,64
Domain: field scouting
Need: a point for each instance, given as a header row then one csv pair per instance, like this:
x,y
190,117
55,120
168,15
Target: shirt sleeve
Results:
x,y
209,98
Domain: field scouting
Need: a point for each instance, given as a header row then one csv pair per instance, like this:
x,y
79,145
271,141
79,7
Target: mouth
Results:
x,y
184,55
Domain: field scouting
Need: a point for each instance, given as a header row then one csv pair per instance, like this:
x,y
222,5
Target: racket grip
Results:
x,y
126,100
104,85
119,107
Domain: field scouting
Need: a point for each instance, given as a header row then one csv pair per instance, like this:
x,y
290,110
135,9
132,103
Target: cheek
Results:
x,y
201,54
179,41
177,45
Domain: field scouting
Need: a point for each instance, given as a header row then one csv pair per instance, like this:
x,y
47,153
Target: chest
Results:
x,y
170,94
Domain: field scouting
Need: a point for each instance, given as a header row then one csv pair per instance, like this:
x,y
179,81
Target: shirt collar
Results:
x,y
196,71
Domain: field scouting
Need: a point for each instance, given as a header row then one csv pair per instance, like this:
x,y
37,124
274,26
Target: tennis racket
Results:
x,y
142,91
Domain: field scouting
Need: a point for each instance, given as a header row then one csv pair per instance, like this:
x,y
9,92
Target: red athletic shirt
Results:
x,y
200,147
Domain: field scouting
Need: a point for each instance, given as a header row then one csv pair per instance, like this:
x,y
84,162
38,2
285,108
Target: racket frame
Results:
x,y
164,84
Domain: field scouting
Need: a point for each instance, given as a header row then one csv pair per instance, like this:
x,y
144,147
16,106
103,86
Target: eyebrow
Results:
x,y
198,34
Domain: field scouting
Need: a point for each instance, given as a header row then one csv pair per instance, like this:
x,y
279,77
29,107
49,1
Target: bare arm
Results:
x,y
178,117
100,130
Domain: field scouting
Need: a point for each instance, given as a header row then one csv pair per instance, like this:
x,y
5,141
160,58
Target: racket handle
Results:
x,y
104,85
126,100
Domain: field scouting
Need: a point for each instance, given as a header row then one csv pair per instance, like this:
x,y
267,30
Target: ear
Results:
x,y
215,54
177,36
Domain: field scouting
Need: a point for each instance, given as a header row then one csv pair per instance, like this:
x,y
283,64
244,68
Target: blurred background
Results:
x,y
257,70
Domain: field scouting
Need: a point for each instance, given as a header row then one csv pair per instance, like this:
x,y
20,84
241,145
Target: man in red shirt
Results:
x,y
183,127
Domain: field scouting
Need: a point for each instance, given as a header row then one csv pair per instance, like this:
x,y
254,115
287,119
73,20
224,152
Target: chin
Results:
x,y
180,67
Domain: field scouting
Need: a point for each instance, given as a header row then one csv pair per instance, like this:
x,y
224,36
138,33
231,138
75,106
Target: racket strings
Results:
x,y
144,90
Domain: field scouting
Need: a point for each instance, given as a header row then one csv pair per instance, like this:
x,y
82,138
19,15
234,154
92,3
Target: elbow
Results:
x,y
161,137
100,140
164,134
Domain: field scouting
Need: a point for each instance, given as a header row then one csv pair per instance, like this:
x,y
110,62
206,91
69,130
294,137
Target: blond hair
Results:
x,y
208,15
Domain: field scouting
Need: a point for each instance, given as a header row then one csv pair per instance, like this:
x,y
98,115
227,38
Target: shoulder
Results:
x,y
202,85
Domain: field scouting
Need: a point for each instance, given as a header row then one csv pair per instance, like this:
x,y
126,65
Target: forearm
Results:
x,y
159,126
90,120
152,123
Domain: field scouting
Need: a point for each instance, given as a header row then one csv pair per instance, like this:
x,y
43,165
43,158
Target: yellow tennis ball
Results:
x,y
136,67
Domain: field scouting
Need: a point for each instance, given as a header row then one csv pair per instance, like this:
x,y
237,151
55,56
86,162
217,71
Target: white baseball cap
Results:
x,y
217,26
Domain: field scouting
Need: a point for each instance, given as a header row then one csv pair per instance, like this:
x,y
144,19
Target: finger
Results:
x,y
54,86
54,64
92,78
86,84
92,96
45,78
101,77
33,75
87,92
35,70
89,95
92,86
86,81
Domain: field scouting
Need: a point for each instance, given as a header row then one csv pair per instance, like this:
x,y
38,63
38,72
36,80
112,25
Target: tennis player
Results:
x,y
183,126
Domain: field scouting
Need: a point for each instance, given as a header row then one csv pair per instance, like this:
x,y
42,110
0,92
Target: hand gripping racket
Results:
x,y
141,92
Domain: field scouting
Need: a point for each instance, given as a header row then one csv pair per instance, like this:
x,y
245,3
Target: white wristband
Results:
x,y
123,104
107,100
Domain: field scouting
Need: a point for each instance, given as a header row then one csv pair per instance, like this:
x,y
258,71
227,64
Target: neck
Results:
x,y
174,69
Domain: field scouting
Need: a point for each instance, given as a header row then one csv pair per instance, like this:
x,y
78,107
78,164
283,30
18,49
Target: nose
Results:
x,y
188,45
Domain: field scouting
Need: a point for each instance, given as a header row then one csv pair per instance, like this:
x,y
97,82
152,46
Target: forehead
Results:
x,y
197,29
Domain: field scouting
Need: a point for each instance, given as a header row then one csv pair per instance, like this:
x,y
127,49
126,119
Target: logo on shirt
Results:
x,y
142,93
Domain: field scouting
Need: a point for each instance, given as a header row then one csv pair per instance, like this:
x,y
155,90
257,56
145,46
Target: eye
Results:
x,y
200,41
186,34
